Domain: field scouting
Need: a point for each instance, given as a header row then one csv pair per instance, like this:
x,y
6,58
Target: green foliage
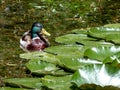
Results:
x,y
57,83
30,83
101,52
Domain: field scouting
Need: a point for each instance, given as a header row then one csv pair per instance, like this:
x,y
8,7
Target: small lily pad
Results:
x,y
57,83
48,57
12,88
113,59
44,68
114,38
30,83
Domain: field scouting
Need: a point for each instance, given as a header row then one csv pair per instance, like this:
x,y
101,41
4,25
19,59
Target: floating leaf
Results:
x,y
72,38
113,59
114,38
117,25
49,57
76,63
54,54
24,82
103,75
66,50
57,83
10,88
102,32
81,39
101,52
44,68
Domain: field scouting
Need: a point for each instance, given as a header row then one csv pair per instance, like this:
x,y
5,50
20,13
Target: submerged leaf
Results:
x,y
103,75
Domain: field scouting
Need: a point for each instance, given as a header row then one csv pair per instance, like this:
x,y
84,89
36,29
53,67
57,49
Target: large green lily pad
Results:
x,y
73,64
103,75
30,83
57,83
106,33
101,52
66,50
44,68
81,39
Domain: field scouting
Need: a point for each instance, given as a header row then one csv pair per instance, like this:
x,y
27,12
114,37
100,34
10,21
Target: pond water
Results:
x,y
15,19
13,23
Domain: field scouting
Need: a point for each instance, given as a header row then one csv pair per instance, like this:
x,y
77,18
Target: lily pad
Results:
x,y
116,25
54,54
80,39
102,32
44,68
48,57
114,38
101,52
103,75
114,59
30,83
72,38
66,50
57,83
76,63
10,88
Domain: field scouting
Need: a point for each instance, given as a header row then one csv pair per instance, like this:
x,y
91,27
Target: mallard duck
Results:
x,y
35,40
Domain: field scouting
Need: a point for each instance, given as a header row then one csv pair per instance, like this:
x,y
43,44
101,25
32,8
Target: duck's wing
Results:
x,y
25,40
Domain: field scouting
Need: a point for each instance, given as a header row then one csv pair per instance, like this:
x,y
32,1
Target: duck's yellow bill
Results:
x,y
45,32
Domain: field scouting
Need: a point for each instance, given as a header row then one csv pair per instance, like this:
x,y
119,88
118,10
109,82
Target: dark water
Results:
x,y
15,19
14,22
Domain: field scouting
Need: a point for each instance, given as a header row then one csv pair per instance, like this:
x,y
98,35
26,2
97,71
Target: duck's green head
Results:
x,y
36,29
